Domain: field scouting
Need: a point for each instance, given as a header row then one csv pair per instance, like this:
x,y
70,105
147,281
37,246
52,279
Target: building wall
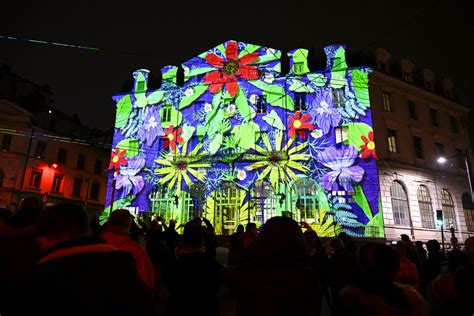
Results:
x,y
404,165
17,122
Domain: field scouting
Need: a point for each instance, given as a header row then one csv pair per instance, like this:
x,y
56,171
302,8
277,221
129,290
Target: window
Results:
x,y
300,102
95,188
338,98
341,134
166,113
434,117
57,182
407,77
426,209
401,212
454,124
447,205
140,86
386,99
418,147
439,148
62,156
412,110
261,105
428,85
40,149
460,158
81,161
392,140
298,67
98,166
35,178
76,189
469,216
6,142
382,66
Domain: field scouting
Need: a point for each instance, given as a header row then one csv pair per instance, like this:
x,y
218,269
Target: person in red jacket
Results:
x,y
118,234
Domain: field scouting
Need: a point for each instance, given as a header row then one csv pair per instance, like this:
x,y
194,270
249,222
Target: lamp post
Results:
x,y
441,160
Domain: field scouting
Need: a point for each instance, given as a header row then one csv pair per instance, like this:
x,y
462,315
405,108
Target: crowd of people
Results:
x,y
60,261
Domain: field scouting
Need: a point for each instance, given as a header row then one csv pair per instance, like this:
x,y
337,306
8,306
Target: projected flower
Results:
x,y
368,147
341,163
230,68
277,163
117,159
326,114
298,125
174,167
172,137
151,127
127,180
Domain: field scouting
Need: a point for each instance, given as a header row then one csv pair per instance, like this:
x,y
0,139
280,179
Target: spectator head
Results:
x,y
433,245
457,259
172,224
280,240
29,212
419,244
405,237
366,260
386,262
240,228
313,241
4,213
120,221
251,228
336,244
62,222
193,236
469,248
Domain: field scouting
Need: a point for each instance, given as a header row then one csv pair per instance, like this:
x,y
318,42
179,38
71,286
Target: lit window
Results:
x,y
387,103
341,134
6,142
469,216
447,205
35,178
425,206
400,209
407,77
338,98
57,182
166,113
392,140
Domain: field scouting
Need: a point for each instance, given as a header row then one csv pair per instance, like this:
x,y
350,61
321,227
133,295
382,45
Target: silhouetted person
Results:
x,y
195,276
453,293
78,275
118,234
407,271
376,293
420,251
348,242
5,213
434,261
250,235
171,240
235,245
341,270
210,239
275,280
28,213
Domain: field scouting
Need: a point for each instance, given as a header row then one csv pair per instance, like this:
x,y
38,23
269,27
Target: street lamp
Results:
x,y
441,160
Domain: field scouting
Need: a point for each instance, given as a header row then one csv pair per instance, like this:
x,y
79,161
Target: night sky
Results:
x,y
430,33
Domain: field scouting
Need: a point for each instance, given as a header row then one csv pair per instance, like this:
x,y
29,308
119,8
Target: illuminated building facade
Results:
x,y
240,141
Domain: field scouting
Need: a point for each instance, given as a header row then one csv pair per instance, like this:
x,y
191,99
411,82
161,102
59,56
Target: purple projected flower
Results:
x,y
128,179
326,114
341,162
151,127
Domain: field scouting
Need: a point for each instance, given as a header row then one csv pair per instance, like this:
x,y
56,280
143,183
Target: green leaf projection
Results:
x,y
239,141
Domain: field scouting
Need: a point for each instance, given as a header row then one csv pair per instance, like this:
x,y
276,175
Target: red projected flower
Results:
x,y
117,158
298,125
230,68
172,137
368,147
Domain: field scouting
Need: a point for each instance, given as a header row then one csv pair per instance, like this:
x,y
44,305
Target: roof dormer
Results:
x,y
448,88
407,68
382,57
428,79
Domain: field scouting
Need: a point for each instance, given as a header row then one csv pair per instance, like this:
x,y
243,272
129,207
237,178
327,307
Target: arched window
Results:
x,y
468,207
426,208
447,205
307,204
400,209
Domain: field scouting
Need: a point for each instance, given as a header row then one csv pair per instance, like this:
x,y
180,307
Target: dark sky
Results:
x,y
433,34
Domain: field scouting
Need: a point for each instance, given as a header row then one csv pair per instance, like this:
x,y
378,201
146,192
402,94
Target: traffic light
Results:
x,y
439,217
